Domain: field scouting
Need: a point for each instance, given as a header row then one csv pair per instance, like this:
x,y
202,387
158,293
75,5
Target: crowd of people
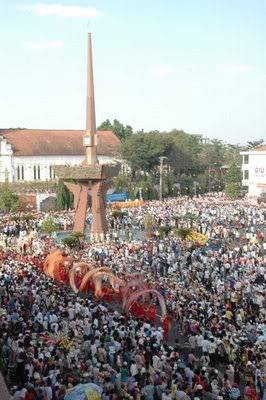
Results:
x,y
52,339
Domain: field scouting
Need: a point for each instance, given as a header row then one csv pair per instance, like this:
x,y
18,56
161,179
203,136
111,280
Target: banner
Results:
x,y
123,196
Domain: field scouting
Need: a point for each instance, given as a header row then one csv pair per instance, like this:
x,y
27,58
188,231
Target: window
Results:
x,y
246,158
246,174
20,173
51,172
36,172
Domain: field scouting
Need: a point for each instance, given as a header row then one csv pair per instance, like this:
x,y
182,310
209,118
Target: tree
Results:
x,y
49,225
9,200
164,231
147,184
64,198
142,151
122,131
232,154
169,180
255,143
183,233
233,181
187,184
183,151
71,241
117,127
212,153
124,183
105,126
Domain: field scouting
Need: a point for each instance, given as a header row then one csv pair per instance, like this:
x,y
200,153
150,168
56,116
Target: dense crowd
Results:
x,y
52,339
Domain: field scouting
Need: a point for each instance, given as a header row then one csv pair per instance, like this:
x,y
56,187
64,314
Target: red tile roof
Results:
x,y
261,147
44,142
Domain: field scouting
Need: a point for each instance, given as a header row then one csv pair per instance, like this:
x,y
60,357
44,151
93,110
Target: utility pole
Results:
x,y
209,180
161,177
195,188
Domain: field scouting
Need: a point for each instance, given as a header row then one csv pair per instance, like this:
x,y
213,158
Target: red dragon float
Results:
x,y
130,290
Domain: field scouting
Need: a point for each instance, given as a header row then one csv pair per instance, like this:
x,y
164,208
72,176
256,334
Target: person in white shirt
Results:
x,y
192,342
133,369
205,345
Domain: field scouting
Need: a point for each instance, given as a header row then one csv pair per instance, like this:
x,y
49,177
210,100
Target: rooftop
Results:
x,y
254,150
262,147
50,142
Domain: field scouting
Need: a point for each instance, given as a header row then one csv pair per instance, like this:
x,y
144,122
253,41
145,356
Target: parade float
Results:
x,y
191,236
129,290
86,391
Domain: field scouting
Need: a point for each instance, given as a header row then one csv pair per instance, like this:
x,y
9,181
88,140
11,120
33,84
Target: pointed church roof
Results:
x,y
49,142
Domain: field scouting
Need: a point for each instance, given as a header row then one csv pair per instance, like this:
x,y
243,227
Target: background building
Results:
x,y
31,154
254,170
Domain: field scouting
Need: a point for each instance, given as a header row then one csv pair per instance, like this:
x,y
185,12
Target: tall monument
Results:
x,y
90,178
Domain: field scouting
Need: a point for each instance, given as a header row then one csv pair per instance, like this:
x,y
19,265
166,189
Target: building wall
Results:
x,y
254,172
6,161
35,168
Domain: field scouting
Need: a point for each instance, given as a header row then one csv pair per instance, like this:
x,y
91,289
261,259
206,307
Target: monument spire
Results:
x,y
90,175
90,137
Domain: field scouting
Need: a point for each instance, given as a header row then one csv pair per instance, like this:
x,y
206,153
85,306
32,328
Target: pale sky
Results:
x,y
196,65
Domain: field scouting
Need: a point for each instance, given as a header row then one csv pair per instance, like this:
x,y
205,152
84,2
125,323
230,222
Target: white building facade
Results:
x,y
254,171
32,156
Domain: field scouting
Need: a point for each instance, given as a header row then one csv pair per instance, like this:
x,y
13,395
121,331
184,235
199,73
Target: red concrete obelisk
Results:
x,y
90,137
98,188
91,176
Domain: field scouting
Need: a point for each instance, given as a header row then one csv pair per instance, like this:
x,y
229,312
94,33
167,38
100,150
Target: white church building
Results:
x,y
31,154
254,170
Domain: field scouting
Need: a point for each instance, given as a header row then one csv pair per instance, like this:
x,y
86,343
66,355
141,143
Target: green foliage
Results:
x,y
27,217
164,230
190,217
124,183
32,187
142,151
189,158
169,180
119,214
255,143
232,154
233,190
78,234
105,126
212,154
149,222
49,225
183,232
71,241
9,200
233,181
49,204
127,234
182,151
186,183
147,184
64,198
121,131
16,218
